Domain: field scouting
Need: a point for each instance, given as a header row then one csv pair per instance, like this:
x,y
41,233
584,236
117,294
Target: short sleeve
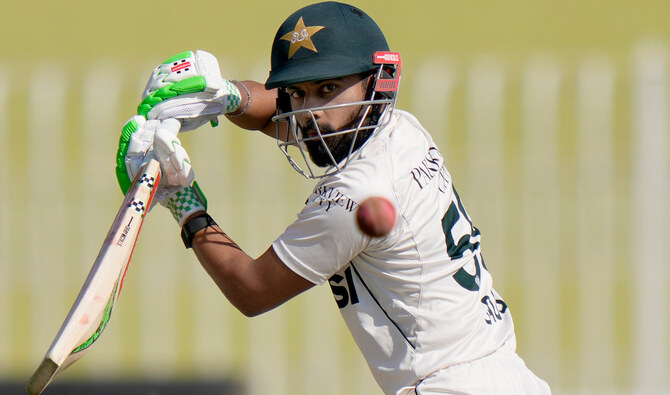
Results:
x,y
323,239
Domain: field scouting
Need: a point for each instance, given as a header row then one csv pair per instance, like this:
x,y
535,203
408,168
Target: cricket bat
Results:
x,y
93,307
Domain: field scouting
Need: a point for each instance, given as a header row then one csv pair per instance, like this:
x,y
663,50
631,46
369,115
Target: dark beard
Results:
x,y
339,146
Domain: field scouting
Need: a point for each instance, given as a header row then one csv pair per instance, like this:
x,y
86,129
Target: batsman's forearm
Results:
x,y
247,283
257,108
224,261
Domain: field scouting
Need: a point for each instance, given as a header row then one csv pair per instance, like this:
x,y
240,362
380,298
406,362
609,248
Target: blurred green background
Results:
x,y
81,31
77,31
169,306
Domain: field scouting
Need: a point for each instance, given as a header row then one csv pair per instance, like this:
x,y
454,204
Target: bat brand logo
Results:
x,y
124,234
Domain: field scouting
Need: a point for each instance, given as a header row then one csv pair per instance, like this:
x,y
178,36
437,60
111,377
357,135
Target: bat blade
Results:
x,y
93,306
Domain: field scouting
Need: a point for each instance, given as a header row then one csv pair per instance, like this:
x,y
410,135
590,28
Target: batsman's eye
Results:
x,y
328,88
296,94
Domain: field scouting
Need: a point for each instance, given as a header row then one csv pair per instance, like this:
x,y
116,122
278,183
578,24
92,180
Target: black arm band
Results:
x,y
193,225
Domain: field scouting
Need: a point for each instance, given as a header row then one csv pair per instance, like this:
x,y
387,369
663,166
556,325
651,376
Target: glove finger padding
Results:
x,y
174,160
140,146
181,163
189,86
134,143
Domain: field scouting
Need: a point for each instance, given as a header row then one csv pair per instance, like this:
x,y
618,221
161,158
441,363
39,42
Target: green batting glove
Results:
x,y
135,141
189,87
141,140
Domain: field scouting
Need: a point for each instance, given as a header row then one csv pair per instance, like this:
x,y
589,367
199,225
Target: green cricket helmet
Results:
x,y
324,41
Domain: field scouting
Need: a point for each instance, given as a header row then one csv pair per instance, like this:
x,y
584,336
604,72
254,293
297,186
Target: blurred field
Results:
x,y
553,117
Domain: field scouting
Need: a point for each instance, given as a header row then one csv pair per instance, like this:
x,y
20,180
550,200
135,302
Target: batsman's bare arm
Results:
x,y
257,114
253,286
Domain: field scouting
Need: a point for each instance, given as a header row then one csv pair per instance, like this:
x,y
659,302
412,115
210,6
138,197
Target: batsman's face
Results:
x,y
325,93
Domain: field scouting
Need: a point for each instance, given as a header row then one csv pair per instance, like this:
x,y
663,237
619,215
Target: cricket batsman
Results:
x,y
418,300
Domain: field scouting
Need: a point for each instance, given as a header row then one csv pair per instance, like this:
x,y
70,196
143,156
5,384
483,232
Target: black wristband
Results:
x,y
193,225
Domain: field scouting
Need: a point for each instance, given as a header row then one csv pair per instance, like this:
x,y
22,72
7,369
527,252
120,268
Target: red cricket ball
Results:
x,y
376,216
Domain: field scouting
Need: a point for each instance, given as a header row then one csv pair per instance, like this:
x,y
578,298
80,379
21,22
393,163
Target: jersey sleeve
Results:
x,y
323,239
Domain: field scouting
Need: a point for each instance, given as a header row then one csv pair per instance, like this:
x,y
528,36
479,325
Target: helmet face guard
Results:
x,y
374,112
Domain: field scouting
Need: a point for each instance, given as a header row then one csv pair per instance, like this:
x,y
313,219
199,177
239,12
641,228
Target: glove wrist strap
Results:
x,y
185,202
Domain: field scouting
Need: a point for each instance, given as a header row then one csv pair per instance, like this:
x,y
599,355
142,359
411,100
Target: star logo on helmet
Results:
x,y
301,37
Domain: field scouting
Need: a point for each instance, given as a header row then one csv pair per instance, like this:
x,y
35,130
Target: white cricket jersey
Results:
x,y
419,299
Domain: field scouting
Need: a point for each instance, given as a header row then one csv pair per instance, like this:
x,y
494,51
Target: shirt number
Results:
x,y
458,235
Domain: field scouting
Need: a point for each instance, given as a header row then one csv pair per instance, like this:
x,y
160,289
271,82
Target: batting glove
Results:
x,y
189,87
181,195
137,138
142,140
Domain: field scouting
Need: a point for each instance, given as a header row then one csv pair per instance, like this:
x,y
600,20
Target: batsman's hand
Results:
x,y
142,140
137,138
175,163
189,87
